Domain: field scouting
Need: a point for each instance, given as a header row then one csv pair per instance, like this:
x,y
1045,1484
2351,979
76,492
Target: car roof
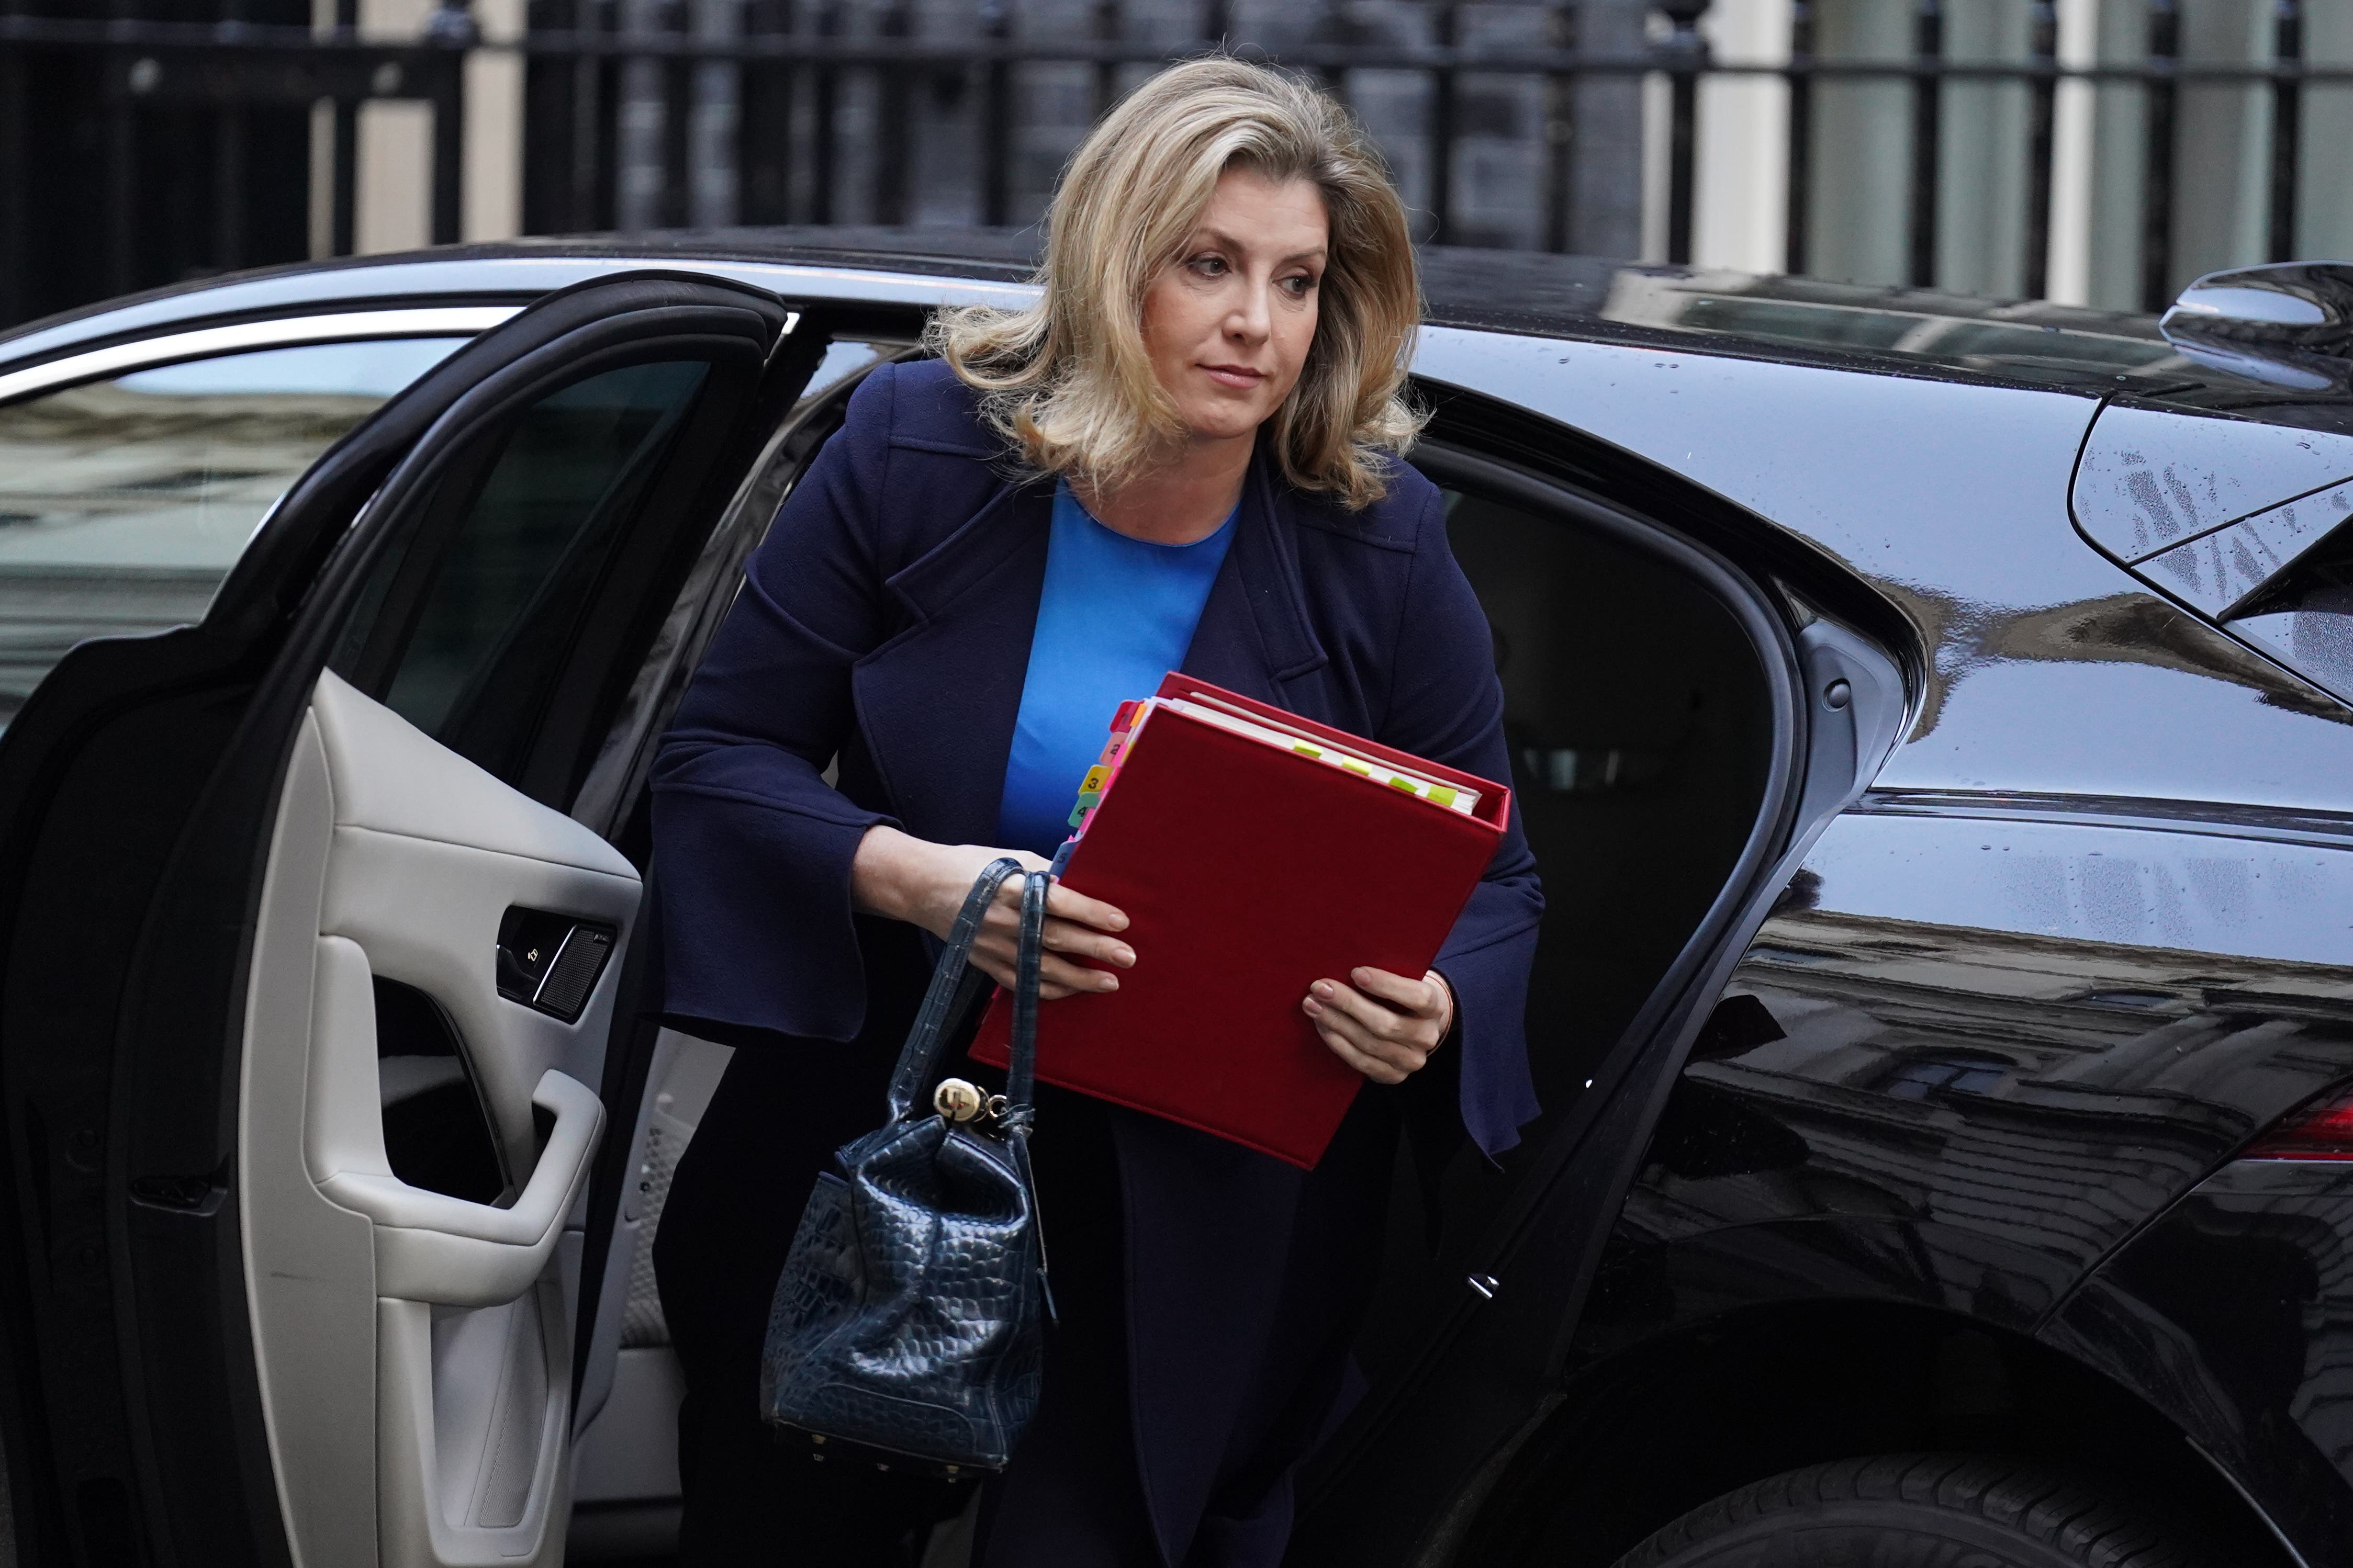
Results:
x,y
1539,294
1693,309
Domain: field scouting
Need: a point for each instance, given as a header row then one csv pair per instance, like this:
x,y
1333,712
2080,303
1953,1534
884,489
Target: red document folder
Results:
x,y
1249,873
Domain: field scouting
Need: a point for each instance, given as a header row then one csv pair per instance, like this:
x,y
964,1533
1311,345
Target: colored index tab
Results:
x,y
1093,780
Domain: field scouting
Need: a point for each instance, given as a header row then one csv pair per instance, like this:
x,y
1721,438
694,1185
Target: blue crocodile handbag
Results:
x,y
908,1325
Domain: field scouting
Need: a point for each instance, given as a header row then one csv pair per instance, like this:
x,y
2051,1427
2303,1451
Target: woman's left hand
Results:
x,y
1384,1025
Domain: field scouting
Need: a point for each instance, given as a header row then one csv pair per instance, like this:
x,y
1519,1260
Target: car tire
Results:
x,y
1913,1510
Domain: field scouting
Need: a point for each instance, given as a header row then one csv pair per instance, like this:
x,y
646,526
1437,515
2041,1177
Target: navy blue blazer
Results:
x,y
884,628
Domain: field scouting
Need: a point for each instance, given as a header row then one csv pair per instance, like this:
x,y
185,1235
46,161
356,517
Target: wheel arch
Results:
x,y
1654,1428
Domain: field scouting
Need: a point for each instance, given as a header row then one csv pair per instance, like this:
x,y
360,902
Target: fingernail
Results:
x,y
1314,1009
1127,957
1322,988
1108,982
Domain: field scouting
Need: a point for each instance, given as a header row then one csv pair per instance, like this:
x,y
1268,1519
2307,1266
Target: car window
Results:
x,y
844,357
1639,738
1639,731
461,629
710,585
2305,618
124,502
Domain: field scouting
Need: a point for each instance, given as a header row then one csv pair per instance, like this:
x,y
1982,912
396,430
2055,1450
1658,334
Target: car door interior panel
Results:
x,y
397,861
334,1266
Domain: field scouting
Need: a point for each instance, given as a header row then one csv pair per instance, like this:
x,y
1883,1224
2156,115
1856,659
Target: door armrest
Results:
x,y
433,1248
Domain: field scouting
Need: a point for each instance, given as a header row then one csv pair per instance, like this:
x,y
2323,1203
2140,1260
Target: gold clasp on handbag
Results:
x,y
958,1101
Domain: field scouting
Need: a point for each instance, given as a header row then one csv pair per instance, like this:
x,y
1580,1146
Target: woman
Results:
x,y
1183,456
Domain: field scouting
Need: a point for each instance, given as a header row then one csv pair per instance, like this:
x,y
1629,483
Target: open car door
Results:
x,y
306,975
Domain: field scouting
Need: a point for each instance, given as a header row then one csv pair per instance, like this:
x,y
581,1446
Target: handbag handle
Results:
x,y
1020,1072
955,983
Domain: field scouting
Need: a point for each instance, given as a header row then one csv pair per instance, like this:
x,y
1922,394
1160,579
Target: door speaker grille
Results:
x,y
550,962
573,975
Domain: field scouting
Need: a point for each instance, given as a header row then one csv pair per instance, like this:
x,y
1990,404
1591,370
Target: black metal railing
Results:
x,y
88,183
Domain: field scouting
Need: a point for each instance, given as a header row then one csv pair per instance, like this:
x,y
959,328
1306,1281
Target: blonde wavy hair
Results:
x,y
1068,380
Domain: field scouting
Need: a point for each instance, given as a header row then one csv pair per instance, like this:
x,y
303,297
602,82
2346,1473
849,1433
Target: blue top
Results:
x,y
1115,615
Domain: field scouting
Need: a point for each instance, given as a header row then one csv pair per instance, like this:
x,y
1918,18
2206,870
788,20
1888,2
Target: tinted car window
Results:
x,y
1639,729
2306,617
1641,734
123,503
462,627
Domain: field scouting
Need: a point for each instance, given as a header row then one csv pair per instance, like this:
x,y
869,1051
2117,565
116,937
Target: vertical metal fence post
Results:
x,y
1446,30
344,207
587,162
122,76
826,107
766,138
1559,128
2157,200
343,179
2041,147
894,146
641,120
122,178
1802,136
15,301
677,132
228,186
2288,127
714,176
1687,53
451,34
997,112
449,100
1108,24
1927,103
229,168
450,151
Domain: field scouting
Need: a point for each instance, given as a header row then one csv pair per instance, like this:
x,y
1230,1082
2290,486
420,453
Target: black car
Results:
x,y
1931,717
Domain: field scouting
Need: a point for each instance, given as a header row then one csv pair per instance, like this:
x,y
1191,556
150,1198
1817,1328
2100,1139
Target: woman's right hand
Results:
x,y
908,879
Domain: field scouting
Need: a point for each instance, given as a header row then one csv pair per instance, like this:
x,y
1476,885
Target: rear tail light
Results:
x,y
2319,1130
